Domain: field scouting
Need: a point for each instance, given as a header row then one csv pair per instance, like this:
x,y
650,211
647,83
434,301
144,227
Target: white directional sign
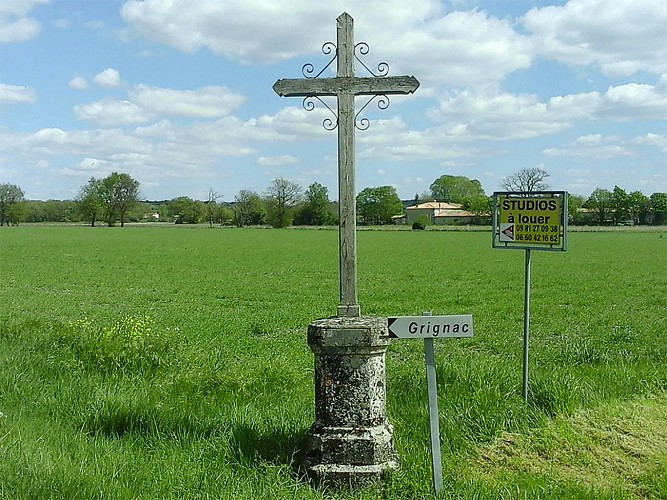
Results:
x,y
428,327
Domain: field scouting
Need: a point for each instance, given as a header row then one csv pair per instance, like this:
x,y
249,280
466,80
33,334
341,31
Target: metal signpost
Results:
x,y
430,327
529,221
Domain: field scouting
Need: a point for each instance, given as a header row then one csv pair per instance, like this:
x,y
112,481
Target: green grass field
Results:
x,y
171,363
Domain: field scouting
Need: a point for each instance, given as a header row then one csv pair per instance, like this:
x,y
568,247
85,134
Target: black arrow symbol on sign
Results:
x,y
509,232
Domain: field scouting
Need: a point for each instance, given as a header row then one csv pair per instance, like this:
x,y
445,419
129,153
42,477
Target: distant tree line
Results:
x,y
618,207
116,199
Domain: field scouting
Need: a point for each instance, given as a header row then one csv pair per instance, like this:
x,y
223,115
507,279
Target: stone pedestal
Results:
x,y
351,441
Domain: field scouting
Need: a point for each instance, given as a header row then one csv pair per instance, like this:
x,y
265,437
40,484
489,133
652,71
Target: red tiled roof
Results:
x,y
453,213
436,205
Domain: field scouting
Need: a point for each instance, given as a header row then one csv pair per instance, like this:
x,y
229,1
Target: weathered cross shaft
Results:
x,y
345,86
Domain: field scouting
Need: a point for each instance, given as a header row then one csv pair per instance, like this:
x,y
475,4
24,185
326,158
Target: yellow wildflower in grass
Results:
x,y
130,330
132,342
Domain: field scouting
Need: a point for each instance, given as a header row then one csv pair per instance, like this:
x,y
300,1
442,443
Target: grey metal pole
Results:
x,y
526,324
433,417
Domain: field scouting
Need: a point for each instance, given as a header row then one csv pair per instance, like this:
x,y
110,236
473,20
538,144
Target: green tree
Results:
x,y
315,211
225,215
51,211
421,222
455,189
248,209
658,208
11,198
481,207
526,180
162,211
281,198
61,210
619,205
212,208
90,202
638,207
17,212
119,193
574,204
600,201
35,211
185,210
377,205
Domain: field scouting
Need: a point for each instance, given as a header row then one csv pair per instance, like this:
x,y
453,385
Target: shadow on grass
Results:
x,y
245,443
117,419
250,445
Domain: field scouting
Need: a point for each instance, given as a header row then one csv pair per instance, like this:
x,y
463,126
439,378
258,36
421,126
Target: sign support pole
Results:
x,y
429,327
433,418
526,324
525,220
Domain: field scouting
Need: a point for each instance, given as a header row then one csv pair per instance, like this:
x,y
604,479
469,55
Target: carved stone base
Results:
x,y
351,441
350,456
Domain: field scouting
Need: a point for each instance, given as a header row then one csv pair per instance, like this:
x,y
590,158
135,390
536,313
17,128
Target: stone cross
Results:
x,y
345,86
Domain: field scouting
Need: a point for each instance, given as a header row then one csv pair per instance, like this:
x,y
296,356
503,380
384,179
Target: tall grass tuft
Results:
x,y
557,393
131,345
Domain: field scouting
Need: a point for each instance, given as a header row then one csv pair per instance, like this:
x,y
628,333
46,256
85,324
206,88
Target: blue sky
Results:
x,y
179,94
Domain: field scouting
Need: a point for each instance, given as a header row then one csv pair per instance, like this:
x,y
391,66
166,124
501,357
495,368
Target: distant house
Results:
x,y
437,212
151,217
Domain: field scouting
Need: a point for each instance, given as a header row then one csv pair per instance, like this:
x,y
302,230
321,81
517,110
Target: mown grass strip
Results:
x,y
617,448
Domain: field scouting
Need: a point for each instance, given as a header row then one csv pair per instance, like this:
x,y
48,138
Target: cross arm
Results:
x,y
385,85
299,87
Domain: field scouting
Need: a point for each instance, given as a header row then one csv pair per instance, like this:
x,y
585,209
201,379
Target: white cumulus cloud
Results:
x,y
78,83
15,24
418,37
207,102
15,94
109,112
506,116
109,78
593,146
276,161
621,37
651,139
146,103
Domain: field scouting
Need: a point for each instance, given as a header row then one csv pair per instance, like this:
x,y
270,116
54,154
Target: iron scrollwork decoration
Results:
x,y
361,48
363,123
308,69
327,123
382,99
